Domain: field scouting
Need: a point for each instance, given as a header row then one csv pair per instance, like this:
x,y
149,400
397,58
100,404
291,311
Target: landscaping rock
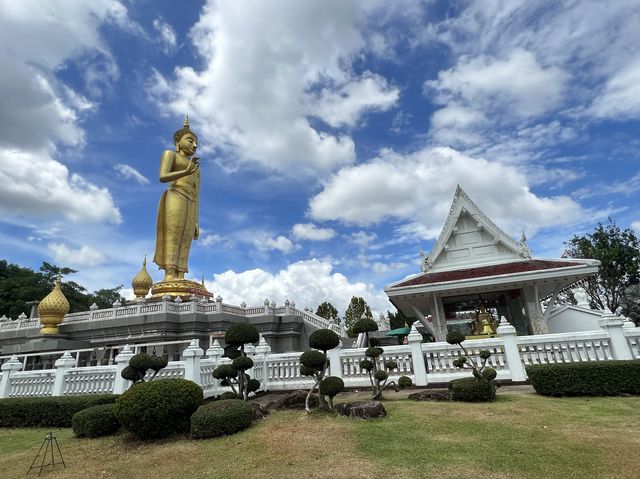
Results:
x,y
361,409
430,396
258,411
293,400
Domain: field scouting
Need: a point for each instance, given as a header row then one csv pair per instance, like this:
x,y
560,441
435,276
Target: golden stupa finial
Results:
x,y
142,281
185,124
202,282
52,309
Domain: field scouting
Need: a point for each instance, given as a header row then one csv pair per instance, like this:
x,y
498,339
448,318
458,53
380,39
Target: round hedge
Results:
x,y
307,371
233,354
366,364
364,325
313,359
404,382
373,352
472,390
95,421
241,333
225,371
221,417
324,339
455,337
228,395
243,363
484,354
253,385
158,408
489,374
331,385
381,375
390,364
130,374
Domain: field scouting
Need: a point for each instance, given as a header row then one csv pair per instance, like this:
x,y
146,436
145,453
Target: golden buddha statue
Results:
x,y
177,224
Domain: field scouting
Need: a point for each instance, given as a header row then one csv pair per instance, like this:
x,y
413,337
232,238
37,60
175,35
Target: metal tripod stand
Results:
x,y
47,444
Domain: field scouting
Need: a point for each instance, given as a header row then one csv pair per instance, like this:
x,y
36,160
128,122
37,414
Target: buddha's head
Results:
x,y
185,140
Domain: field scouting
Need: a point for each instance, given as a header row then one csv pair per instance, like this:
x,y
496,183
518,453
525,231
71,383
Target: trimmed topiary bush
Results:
x,y
242,363
140,364
233,375
313,359
364,325
228,395
158,408
221,417
471,390
330,387
241,333
47,411
598,378
324,339
404,382
95,421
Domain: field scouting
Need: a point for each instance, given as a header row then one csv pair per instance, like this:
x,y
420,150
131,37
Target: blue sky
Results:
x,y
332,133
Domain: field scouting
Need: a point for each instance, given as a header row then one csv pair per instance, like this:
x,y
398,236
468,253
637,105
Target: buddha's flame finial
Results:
x,y
185,124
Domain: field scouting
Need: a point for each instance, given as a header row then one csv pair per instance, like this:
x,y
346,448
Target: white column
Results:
x,y
335,364
214,353
511,354
613,325
63,364
121,384
262,353
417,358
8,368
192,357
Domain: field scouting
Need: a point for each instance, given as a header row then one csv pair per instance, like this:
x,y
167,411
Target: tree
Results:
x,y
18,285
619,254
357,307
631,303
327,311
398,320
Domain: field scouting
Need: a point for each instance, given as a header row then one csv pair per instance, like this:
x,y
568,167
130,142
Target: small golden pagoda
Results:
x,y
52,309
142,282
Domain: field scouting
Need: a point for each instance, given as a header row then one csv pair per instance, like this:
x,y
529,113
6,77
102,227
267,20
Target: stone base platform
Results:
x,y
179,287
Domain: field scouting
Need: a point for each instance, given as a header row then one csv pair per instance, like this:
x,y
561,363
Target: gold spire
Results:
x,y
185,124
52,309
142,281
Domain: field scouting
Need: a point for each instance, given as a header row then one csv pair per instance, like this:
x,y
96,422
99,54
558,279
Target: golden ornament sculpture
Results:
x,y
52,309
485,324
142,281
177,224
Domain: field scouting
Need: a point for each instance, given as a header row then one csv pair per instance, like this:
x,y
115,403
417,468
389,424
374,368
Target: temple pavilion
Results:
x,y
476,273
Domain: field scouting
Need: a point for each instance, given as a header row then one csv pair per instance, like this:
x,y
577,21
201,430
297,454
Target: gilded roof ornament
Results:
x,y
52,309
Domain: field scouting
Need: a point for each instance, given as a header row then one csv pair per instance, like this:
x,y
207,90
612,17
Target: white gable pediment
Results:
x,y
469,238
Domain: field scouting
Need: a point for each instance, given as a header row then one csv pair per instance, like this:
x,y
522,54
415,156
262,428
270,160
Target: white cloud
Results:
x,y
308,283
39,113
129,172
362,238
167,35
345,106
36,185
209,239
309,231
254,99
517,84
380,268
417,189
280,243
620,99
84,256
635,226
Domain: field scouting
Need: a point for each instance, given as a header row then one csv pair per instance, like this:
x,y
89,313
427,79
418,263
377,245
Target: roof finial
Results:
x,y
185,124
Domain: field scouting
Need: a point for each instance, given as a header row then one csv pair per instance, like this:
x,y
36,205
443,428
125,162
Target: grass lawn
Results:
x,y
518,436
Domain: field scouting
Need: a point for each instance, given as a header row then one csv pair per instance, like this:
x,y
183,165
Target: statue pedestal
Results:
x,y
179,287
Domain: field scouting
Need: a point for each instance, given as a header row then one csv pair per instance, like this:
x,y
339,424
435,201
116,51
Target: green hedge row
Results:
x,y
472,390
95,421
47,411
598,378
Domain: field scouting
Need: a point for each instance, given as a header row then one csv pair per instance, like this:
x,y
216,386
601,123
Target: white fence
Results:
x,y
424,362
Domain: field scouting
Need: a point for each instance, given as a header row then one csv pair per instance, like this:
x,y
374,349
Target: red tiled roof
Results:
x,y
484,271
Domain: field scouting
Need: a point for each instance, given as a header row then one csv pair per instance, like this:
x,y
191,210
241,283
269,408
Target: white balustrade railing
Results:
x,y
564,348
633,340
89,380
31,383
423,362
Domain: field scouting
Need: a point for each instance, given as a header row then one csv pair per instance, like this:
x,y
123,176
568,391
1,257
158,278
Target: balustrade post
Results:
x,y
262,352
335,363
511,354
214,353
8,368
417,358
192,357
121,384
219,304
613,325
63,364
